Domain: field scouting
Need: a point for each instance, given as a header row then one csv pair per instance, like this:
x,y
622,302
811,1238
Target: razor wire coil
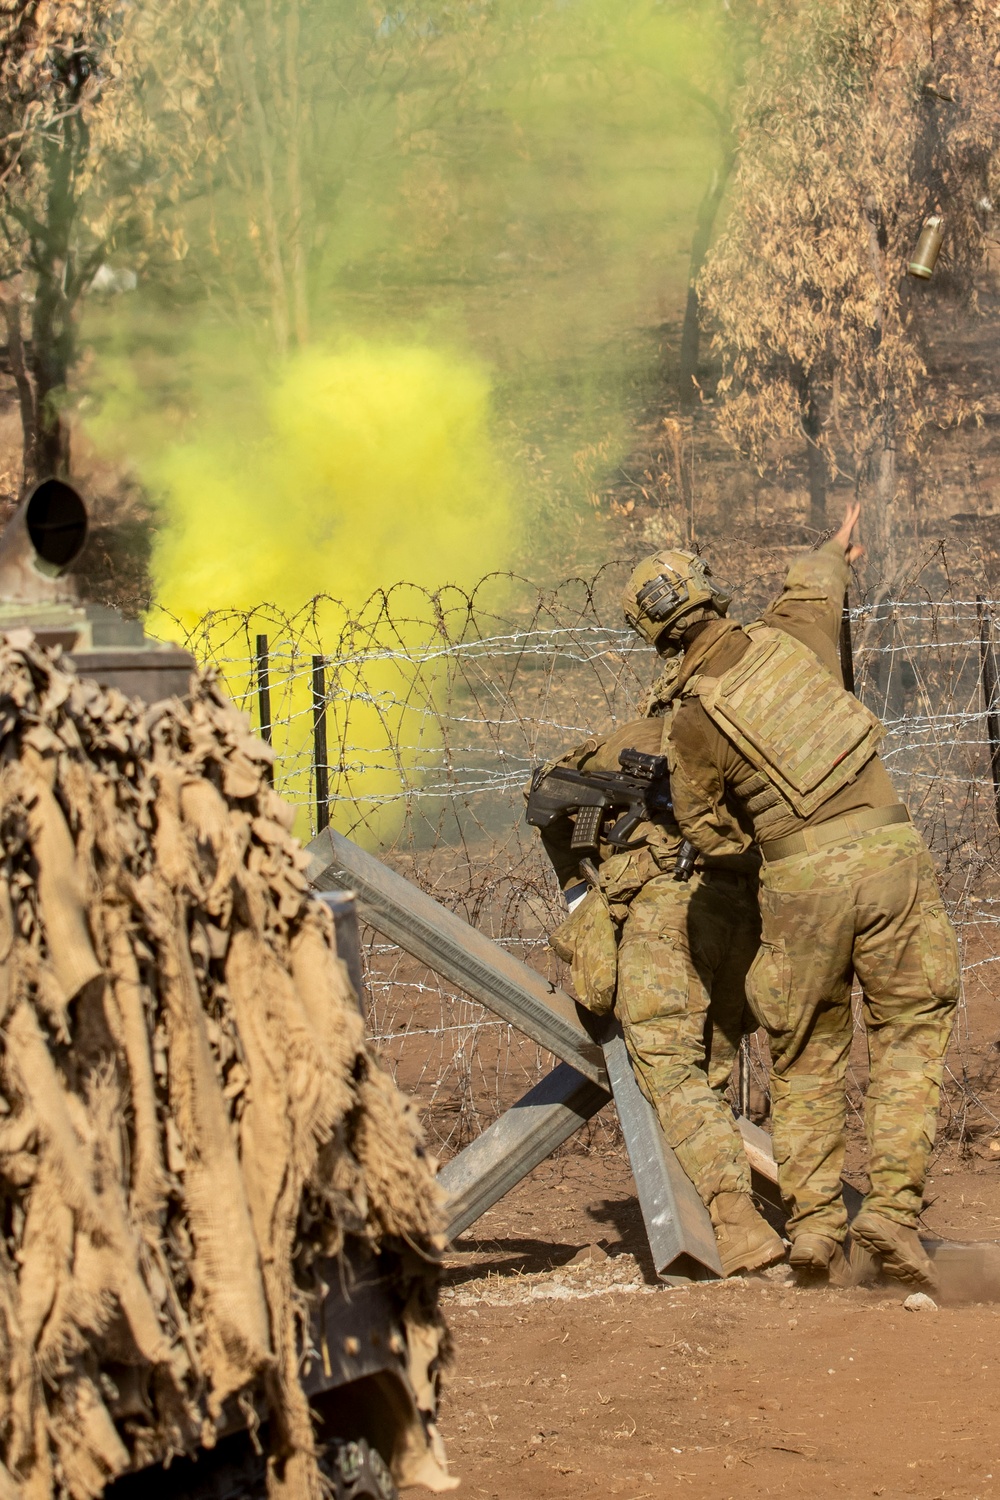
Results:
x,y
436,706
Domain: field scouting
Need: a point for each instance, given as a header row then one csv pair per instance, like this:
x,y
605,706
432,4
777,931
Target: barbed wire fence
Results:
x,y
412,724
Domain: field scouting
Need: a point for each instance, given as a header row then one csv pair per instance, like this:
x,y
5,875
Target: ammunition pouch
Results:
x,y
588,942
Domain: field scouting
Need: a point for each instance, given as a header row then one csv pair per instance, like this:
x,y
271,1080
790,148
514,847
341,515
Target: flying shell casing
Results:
x,y
928,248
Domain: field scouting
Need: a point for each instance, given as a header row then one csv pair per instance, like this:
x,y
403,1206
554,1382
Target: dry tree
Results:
x,y
862,119
101,123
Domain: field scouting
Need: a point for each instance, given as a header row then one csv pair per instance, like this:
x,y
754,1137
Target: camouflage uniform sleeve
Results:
x,y
810,604
698,783
642,734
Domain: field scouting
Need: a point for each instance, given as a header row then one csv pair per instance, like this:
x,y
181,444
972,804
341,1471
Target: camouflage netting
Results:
x,y
188,1115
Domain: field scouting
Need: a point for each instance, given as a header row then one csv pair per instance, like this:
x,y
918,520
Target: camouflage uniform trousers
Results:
x,y
681,998
870,907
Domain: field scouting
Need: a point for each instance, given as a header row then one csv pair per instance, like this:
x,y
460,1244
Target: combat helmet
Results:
x,y
667,588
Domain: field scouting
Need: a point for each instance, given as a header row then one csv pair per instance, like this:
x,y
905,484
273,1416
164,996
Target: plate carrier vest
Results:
x,y
790,718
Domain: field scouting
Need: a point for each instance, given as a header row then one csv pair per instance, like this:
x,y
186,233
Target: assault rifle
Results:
x,y
639,793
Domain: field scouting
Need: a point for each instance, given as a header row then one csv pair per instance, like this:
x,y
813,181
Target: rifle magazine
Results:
x,y
587,828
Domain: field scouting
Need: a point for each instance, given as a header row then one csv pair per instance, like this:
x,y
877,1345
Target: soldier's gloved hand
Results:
x,y
852,551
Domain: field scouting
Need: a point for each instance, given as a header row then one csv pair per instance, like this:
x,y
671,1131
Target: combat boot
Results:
x,y
746,1241
897,1247
816,1256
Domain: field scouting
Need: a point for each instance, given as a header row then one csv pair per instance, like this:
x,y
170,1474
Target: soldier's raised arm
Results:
x,y
810,604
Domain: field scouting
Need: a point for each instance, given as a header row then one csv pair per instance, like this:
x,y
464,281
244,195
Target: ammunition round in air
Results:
x,y
928,248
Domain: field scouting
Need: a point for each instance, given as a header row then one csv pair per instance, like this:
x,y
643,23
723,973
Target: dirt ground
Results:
x,y
578,1377
590,1380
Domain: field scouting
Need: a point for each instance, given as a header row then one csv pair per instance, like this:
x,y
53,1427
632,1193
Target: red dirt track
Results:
x,y
589,1381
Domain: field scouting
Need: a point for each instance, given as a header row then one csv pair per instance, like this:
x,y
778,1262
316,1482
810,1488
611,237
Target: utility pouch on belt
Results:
x,y
790,718
588,942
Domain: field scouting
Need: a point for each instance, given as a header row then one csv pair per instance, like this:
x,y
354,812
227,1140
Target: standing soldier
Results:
x,y
768,744
676,978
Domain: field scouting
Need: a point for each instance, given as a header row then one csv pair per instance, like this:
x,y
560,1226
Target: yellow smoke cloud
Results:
x,y
353,470
358,468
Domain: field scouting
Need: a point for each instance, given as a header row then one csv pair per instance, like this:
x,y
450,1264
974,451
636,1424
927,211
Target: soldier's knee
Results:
x,y
700,1124
663,1070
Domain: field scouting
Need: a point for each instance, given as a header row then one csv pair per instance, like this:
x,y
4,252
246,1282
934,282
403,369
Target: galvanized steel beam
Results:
x,y
677,1224
678,1227
430,932
515,1144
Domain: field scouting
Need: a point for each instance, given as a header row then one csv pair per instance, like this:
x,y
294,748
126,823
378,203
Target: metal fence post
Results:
x,y
991,694
264,696
846,645
320,766
743,1076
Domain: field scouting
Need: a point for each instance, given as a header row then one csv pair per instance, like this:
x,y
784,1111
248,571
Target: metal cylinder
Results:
x,y
45,535
928,248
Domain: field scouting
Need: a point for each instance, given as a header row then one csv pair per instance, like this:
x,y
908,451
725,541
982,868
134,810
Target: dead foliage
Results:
x,y
862,119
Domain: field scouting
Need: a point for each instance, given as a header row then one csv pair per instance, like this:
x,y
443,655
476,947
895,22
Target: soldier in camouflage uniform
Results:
x,y
677,980
767,744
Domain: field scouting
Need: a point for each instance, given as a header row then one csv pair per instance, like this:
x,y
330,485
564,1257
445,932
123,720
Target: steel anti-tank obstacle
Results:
x,y
593,1069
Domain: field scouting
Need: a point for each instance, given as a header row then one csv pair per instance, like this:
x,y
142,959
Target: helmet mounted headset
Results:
x,y
657,602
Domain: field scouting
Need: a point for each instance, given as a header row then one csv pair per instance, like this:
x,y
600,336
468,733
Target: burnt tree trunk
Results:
x,y
811,408
708,211
880,537
272,250
59,280
53,340
10,310
884,484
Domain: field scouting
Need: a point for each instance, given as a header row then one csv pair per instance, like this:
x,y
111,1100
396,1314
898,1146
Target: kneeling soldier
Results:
x,y
669,955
